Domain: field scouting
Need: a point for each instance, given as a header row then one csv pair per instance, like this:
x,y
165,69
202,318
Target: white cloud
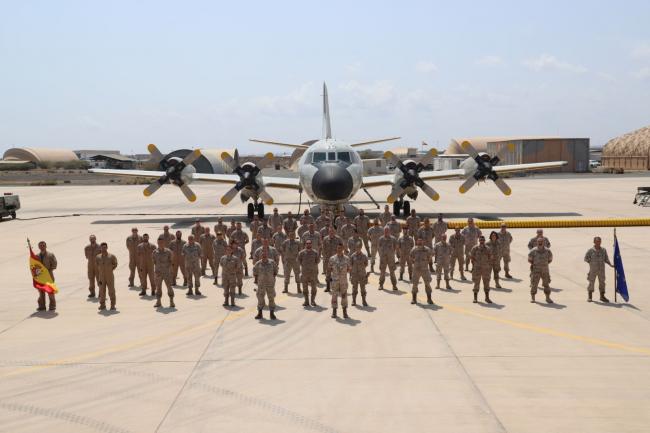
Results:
x,y
353,68
641,51
374,94
547,61
643,73
489,60
426,67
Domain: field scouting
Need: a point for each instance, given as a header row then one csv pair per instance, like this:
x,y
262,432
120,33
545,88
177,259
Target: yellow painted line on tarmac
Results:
x,y
548,331
554,223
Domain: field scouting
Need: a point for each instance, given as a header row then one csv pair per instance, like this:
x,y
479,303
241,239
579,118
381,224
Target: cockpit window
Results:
x,y
318,157
344,156
331,156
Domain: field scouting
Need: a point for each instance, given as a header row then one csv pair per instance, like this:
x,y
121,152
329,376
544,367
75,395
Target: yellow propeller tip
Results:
x,y
269,155
151,147
223,200
462,190
436,197
388,154
146,193
225,155
269,202
192,198
508,192
465,144
197,152
390,199
433,152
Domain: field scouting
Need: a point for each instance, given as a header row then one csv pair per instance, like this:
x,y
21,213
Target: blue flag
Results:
x,y
621,284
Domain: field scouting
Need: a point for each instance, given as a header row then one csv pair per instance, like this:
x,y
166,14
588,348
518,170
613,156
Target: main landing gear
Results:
x,y
401,205
255,208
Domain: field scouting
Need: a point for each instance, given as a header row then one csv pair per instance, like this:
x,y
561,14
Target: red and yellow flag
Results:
x,y
42,278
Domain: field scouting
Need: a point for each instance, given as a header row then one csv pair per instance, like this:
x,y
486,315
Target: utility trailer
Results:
x,y
9,204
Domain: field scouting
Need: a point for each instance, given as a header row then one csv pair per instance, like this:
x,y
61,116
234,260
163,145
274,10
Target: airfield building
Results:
x,y
630,151
36,156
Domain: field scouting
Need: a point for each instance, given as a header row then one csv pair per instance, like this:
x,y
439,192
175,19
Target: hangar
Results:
x,y
210,160
38,155
629,151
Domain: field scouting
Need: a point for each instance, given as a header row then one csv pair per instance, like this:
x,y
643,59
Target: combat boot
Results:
x,y
131,283
462,276
548,299
157,304
197,292
239,290
184,283
215,281
273,315
286,288
334,316
345,313
603,298
372,268
414,298
447,285
259,314
189,292
497,285
313,301
451,274
532,299
590,298
401,276
91,294
354,299
508,275
112,306
487,298
171,303
143,292
102,307
306,303
363,300
232,300
475,297
431,268
225,301
429,300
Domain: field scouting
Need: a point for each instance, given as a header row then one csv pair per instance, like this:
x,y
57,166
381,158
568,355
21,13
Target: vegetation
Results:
x,y
67,165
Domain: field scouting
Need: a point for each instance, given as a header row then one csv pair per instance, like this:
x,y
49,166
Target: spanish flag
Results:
x,y
41,277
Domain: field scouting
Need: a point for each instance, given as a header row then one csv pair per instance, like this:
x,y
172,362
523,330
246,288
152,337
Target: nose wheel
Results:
x,y
401,205
254,208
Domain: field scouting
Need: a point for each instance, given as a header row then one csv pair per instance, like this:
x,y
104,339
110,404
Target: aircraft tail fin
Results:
x,y
327,125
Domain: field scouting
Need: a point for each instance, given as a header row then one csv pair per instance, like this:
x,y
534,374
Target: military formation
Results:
x,y
306,248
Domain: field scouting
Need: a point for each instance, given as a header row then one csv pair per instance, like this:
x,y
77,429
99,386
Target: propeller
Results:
x,y
173,168
247,173
485,168
411,175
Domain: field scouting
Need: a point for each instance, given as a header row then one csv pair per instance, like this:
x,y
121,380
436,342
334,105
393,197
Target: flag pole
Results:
x,y
615,272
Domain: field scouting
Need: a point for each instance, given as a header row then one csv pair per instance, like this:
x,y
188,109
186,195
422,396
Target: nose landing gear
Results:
x,y
401,205
255,208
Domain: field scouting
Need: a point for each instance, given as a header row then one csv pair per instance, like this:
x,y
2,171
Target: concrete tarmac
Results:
x,y
511,366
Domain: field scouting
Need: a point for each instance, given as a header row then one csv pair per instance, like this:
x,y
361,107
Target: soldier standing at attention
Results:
x,y
413,224
539,259
313,236
167,236
278,238
323,221
220,227
494,245
384,217
290,250
421,256
162,260
242,239
426,234
539,235
255,245
302,229
207,257
330,245
480,256
505,239
387,248
363,224
132,243
239,253
457,242
145,264
306,218
178,262
358,274
219,249
275,220
105,264
308,260
394,226
289,224
597,257
442,253
339,267
230,275
351,244
265,230
230,230
439,228
254,225
192,253
49,261
347,229
374,233
91,250
197,230
265,273
471,234
405,244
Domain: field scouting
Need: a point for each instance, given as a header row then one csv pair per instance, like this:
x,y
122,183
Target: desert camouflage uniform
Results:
x,y
457,242
265,231
351,244
132,245
495,258
387,248
219,250
91,251
505,239
596,259
278,239
231,274
162,261
290,250
471,235
339,267
241,255
533,243
145,265
395,228
358,274
315,238
221,227
413,224
374,233
405,245
207,256
329,249
176,246
442,253
363,224
308,260
265,272
439,229
421,256
322,222
192,255
481,267
275,221
289,225
539,269
105,265
241,238
167,238
384,218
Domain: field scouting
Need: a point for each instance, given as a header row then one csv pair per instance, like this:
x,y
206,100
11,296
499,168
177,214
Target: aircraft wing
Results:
x,y
269,181
388,179
133,173
515,168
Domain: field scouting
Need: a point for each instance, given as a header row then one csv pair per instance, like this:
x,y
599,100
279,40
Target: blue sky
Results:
x,y
118,74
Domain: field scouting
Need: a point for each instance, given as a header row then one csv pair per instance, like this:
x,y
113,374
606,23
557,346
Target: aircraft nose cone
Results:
x,y
332,182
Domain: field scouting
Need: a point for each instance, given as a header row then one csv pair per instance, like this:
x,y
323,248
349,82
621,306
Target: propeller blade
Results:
x,y
508,148
154,186
395,194
188,193
266,197
268,158
505,189
433,195
467,147
155,153
426,159
191,157
227,197
225,156
470,182
390,156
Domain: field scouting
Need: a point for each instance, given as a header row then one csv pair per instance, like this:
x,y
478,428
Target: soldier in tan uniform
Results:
x,y
306,218
132,243
421,256
162,260
404,245
394,226
387,247
219,246
308,259
471,234
532,243
597,257
289,224
339,267
220,227
197,230
330,245
362,222
494,245
323,221
178,261
384,217
358,274
167,236
91,251
290,250
49,261
265,271
439,228
442,253
313,236
254,225
231,266
192,254
242,239
374,233
353,241
539,259
145,265
457,242
481,268
426,234
230,230
278,238
105,265
505,239
265,230
238,252
207,258
255,245
347,229
413,224
275,220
